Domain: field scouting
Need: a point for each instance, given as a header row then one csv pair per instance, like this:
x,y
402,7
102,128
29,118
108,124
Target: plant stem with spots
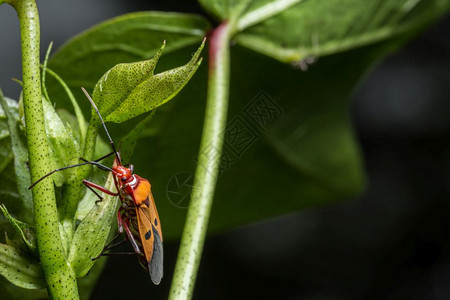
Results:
x,y
59,276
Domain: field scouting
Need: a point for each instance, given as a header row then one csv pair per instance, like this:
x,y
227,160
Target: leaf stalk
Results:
x,y
208,165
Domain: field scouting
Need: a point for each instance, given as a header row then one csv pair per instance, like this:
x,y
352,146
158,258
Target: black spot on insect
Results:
x,y
148,235
156,222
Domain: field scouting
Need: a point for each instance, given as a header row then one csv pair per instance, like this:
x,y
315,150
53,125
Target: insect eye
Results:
x,y
124,179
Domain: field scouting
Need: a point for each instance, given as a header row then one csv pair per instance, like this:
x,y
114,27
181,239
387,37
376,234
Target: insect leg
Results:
x,y
110,246
123,224
93,186
114,253
119,222
131,237
100,198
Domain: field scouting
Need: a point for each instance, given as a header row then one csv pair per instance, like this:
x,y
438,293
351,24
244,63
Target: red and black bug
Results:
x,y
137,214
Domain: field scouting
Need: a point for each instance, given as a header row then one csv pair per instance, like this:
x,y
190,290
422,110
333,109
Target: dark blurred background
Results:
x,y
393,241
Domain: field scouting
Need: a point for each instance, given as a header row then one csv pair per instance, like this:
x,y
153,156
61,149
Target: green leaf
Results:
x,y
81,126
71,122
19,149
10,164
259,11
25,231
8,241
119,82
6,153
64,238
44,72
128,90
321,163
91,235
63,145
8,189
128,38
245,12
322,27
19,270
10,291
87,283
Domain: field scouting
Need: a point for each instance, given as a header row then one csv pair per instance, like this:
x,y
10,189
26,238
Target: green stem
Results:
x,y
59,276
208,166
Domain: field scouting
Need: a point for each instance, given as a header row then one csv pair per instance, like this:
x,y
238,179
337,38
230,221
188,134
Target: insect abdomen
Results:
x,y
129,215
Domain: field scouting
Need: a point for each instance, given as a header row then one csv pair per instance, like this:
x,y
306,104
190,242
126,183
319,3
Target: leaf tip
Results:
x,y
196,55
160,51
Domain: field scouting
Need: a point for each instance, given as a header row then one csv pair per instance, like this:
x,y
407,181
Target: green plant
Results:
x,y
302,155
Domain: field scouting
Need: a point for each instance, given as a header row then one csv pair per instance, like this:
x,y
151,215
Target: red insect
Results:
x,y
137,214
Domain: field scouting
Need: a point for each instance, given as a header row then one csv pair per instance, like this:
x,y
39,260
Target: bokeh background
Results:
x,y
393,241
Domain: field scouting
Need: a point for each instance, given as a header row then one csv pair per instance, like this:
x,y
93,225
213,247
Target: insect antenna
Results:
x,y
104,126
95,163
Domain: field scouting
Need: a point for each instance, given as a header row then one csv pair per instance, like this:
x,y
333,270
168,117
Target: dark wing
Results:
x,y
155,265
